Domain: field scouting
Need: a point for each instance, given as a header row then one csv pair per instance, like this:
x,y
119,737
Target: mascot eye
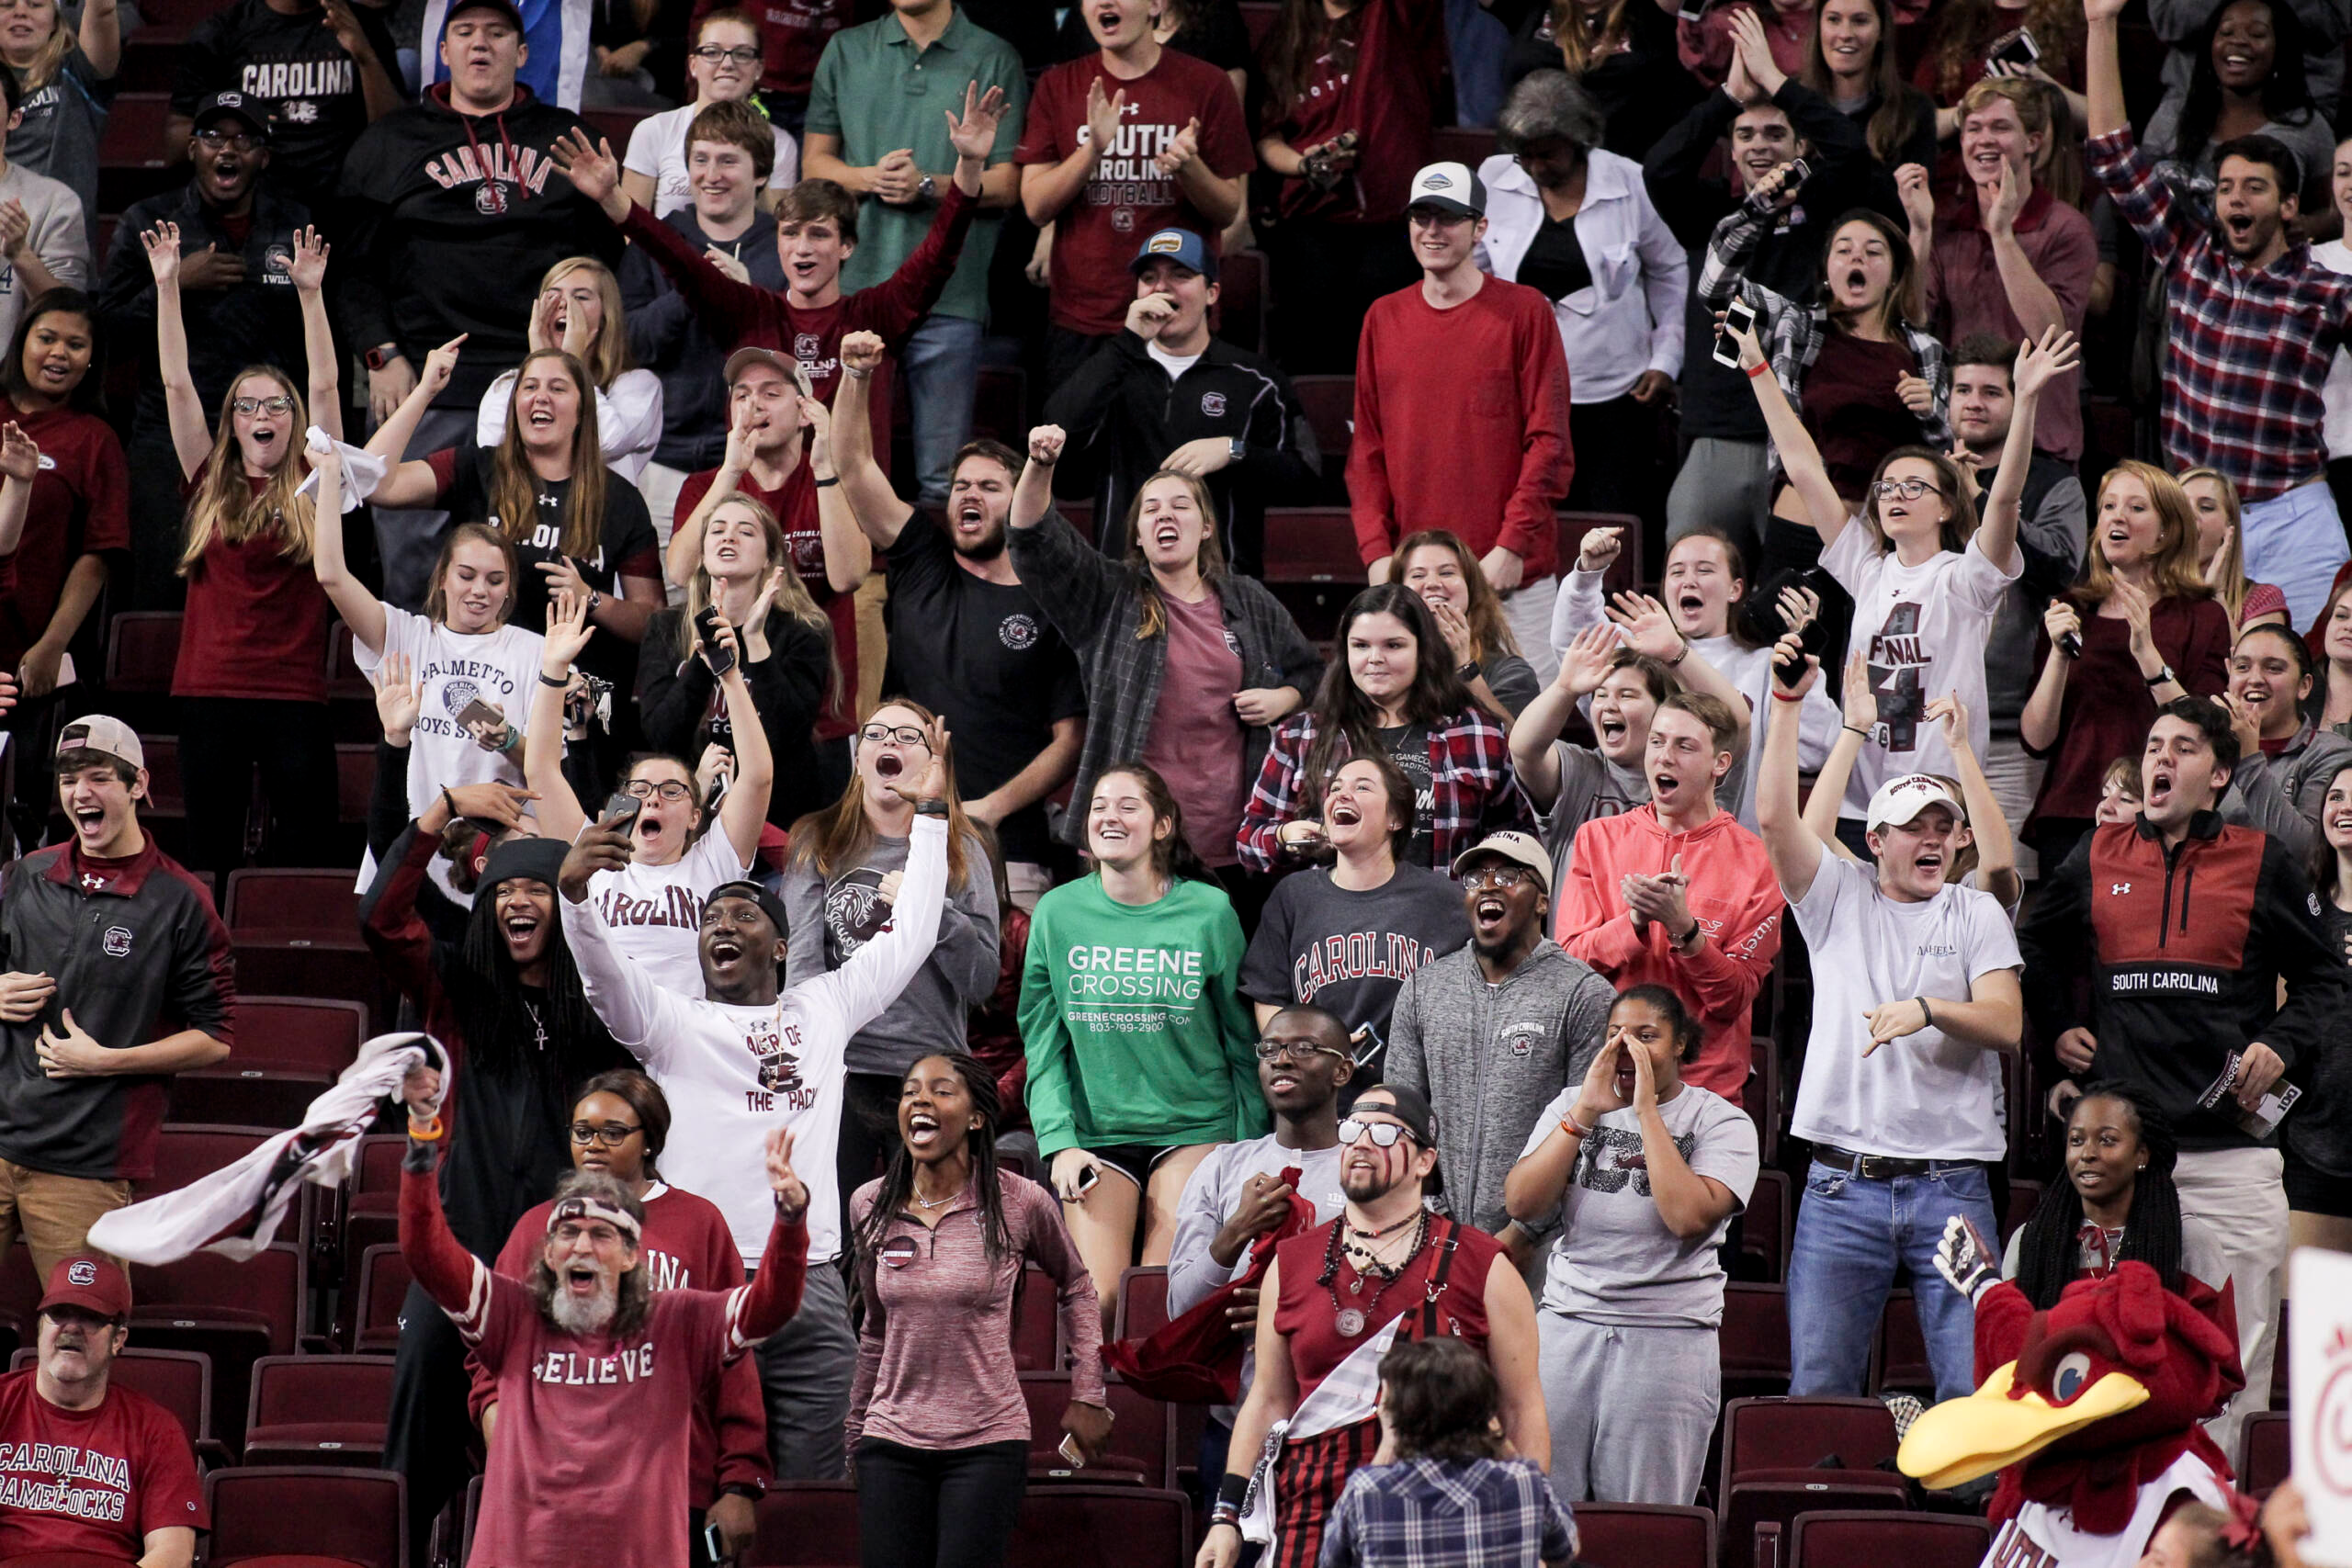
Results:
x,y
2072,1373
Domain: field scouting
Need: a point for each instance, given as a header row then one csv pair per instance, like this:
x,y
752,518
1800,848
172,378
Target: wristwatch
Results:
x,y
382,354
1238,449
929,188
2160,677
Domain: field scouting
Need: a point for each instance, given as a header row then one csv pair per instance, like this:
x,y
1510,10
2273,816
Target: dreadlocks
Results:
x,y
2048,1252
898,1178
507,1034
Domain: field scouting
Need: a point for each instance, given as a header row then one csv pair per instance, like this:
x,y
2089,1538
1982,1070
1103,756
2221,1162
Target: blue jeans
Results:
x,y
1480,46
1851,1235
943,365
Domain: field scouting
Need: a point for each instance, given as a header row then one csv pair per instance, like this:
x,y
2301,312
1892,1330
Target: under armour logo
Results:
x,y
92,881
2118,889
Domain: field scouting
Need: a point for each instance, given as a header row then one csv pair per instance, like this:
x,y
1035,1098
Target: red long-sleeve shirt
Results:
x,y
1478,397
1732,895
592,1438
686,1247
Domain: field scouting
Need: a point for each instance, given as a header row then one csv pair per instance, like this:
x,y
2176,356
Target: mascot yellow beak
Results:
x,y
1962,1440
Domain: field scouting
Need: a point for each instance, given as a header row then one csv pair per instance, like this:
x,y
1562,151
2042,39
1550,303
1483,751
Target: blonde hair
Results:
x,y
2226,579
227,509
792,598
51,58
437,598
608,355
2178,576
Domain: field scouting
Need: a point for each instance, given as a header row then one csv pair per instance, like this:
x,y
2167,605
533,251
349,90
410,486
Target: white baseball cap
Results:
x,y
1519,849
1899,801
1449,187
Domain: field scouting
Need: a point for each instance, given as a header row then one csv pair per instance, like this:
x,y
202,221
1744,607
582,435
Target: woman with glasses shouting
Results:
x,y
684,839
1926,579
841,889
250,682
619,1122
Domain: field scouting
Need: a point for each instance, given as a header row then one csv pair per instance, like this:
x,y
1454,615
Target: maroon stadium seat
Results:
x,y
142,647
235,1312
1469,145
179,1381
1036,1324
297,935
1636,1535
383,1286
1260,17
290,1051
1143,1302
130,149
185,1151
1841,1539
1330,402
1627,572
1769,1499
1754,1340
1243,296
1764,1232
806,1524
1133,1527
1142,1432
371,1203
352,1516
2262,1452
1781,1435
1900,1358
318,1410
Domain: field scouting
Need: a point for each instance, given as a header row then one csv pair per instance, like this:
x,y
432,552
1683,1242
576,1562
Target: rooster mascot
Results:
x,y
2091,1412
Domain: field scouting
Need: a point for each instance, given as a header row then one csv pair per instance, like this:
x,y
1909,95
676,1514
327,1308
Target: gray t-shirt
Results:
x,y
58,135
1349,952
1590,786
1615,1261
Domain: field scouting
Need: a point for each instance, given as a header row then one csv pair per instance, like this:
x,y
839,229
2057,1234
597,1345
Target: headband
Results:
x,y
581,1207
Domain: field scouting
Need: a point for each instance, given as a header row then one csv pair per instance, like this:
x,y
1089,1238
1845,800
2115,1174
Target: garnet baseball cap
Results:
x,y
505,9
1449,187
95,1284
1519,849
1899,802
783,364
233,106
109,737
1180,245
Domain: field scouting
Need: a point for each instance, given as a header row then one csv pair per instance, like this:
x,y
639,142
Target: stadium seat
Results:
x,y
1133,1527
179,1381
1842,1538
166,799
1260,17
1636,1535
1628,571
1782,1435
1000,405
318,1410
1036,1324
20,1292
806,1524
2278,1385
297,933
370,1214
1143,1434
185,1151
1764,1229
355,780
383,1286
358,1516
1469,145
2025,1197
1754,1339
1312,565
1768,1501
615,125
290,1051
235,1312
1143,1302
1243,299
2262,1453
1761,1096
131,150
1899,1360
142,647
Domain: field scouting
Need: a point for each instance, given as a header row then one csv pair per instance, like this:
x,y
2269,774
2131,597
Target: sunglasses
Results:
x,y
1384,1135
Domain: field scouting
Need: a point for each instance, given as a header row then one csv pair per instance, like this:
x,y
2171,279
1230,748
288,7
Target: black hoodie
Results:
x,y
453,219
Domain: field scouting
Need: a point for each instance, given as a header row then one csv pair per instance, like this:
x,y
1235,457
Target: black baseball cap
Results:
x,y
505,9
233,106
770,905
1410,1107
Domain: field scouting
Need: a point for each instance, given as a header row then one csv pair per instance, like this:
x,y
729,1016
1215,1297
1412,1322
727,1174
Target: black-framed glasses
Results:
x,y
243,141
669,790
250,406
1276,1050
609,1135
1384,1135
905,735
1501,879
711,54
1909,490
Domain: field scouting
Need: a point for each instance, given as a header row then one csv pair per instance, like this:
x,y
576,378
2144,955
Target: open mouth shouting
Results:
x,y
2239,226
519,925
1489,915
923,1131
725,948
1166,535
1666,786
89,822
888,765
2160,784
582,1280
970,518
1929,864
1688,605
1344,812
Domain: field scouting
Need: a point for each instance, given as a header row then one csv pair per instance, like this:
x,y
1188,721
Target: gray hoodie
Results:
x,y
1491,1056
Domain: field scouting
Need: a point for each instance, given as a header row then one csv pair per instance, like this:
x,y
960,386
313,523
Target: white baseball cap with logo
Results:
x,y
1449,187
1899,801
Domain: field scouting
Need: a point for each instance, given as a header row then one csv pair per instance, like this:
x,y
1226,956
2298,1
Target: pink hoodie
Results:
x,y
1732,893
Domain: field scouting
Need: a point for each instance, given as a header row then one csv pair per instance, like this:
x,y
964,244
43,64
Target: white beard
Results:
x,y
593,1316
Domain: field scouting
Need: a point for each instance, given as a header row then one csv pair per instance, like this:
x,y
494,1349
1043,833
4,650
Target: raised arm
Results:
x,y
100,37
191,434
880,514
20,465
2038,364
1795,853
744,810
1033,494
1996,847
2103,67
1857,724
322,367
360,610
849,554
560,815
1800,458
413,484
684,553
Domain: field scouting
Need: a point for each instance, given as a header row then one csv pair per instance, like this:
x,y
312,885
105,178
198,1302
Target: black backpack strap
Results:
x,y
1446,1235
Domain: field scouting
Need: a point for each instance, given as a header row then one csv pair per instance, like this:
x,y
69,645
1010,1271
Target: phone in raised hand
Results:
x,y
1739,314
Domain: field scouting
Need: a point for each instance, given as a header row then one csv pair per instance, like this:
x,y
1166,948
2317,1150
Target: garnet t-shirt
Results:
x,y
1377,77
1195,737
95,1480
257,619
1127,198
81,506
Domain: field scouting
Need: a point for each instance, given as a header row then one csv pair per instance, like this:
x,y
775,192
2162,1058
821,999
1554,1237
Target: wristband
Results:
x,y
1759,370
432,1131
1232,1491
1781,697
751,1489
827,484
1676,662
558,681
451,802
595,598
1926,1018
1468,672
1687,938
1573,1128
1855,729
931,809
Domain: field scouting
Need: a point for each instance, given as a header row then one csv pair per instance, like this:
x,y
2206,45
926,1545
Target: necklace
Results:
x,y
1350,1320
935,1202
539,1025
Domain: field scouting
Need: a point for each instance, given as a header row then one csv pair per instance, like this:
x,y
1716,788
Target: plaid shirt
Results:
x,y
1094,602
1791,335
1427,1513
1476,791
2249,346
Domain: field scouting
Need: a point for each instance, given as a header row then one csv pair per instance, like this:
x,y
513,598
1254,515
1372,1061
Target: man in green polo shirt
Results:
x,y
877,126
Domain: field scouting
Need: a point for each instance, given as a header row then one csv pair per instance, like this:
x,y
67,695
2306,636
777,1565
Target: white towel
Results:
x,y
1347,1396
362,470
236,1211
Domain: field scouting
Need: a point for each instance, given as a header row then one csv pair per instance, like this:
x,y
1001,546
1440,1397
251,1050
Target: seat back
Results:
x,y
179,1381
298,1033
1793,1434
1143,1302
143,646
1639,1535
353,1391
383,1286
806,1524
323,905
186,1151
358,1516
1143,1432
2263,1456
1846,1539
1776,1496
1753,1343
1900,1358
267,1291
1036,1324
1764,1228
1133,1527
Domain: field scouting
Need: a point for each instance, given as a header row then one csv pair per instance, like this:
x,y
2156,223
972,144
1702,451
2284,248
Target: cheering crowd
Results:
x,y
857,864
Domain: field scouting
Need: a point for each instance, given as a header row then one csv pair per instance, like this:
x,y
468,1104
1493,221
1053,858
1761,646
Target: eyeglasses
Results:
x,y
243,141
1501,879
1384,1135
1276,1050
1432,218
1909,490
279,405
611,1135
669,790
905,735
711,54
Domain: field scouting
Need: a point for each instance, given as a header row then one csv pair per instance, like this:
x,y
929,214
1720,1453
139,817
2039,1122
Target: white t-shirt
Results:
x,y
1922,1097
1925,628
2336,396
655,911
498,667
1174,363
2043,1536
657,148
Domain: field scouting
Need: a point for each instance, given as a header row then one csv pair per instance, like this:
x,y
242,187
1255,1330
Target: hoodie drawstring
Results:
x,y
490,177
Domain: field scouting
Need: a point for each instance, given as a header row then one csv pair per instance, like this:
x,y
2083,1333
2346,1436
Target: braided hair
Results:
x,y
500,1030
2049,1251
898,1179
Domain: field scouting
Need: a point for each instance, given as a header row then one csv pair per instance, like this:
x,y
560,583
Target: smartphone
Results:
x,y
621,811
721,656
480,712
1071,1453
1087,1178
2016,48
1739,313
1786,676
711,1544
2071,644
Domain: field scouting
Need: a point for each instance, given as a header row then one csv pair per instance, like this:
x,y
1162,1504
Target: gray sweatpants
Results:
x,y
805,1369
1630,1408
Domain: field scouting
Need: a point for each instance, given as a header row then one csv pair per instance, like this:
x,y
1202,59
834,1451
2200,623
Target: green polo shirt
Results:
x,y
877,94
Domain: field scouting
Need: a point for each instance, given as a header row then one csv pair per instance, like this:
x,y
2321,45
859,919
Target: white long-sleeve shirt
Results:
x,y
1749,669
732,1073
628,419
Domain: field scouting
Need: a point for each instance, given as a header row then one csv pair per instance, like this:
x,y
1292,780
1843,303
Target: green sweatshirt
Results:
x,y
1134,1021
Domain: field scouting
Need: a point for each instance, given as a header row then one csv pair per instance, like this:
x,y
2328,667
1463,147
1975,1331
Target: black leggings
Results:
x,y
222,741
937,1507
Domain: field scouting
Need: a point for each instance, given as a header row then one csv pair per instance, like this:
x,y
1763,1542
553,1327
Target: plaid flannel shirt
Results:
x,y
1791,335
1092,601
2249,347
1428,1512
1476,790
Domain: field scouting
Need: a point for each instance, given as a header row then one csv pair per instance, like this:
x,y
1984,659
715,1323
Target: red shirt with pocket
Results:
x,y
257,619
98,1481
795,505
81,506
1126,198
